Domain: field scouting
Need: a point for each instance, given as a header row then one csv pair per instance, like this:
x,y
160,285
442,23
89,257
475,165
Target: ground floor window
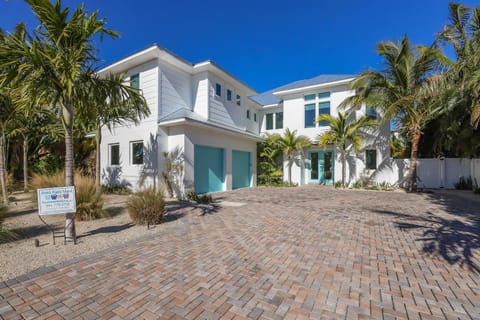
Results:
x,y
114,154
136,148
279,120
371,159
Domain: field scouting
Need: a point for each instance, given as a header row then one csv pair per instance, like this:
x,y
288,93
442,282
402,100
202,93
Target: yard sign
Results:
x,y
56,200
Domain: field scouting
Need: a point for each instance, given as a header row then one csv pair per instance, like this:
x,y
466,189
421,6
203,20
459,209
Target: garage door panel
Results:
x,y
208,169
240,169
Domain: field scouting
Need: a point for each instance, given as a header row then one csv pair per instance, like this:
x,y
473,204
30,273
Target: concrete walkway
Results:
x,y
278,253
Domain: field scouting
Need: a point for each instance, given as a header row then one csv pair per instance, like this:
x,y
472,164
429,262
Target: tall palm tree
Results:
x,y
345,134
405,90
54,61
291,145
463,34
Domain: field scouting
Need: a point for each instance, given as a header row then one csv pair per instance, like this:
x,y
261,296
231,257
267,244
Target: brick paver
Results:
x,y
288,253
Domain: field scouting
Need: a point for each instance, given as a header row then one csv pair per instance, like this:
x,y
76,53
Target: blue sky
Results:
x,y
264,43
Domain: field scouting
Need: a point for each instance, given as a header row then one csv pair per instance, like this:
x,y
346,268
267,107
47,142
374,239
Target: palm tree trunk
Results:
x,y
98,141
3,173
343,170
69,166
25,164
412,184
290,163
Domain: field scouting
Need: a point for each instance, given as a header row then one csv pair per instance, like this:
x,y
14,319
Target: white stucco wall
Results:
x,y
187,136
432,173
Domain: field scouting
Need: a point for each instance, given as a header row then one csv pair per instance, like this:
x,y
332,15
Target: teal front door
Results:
x,y
321,167
208,169
240,169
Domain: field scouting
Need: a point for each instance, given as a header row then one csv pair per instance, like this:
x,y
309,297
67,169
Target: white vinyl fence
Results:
x,y
432,173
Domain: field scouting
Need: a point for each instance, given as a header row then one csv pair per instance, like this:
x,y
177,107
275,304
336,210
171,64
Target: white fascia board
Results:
x,y
268,106
151,53
213,126
210,66
316,86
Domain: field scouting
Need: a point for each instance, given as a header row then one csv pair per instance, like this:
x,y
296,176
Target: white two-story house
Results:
x,y
215,120
296,106
199,109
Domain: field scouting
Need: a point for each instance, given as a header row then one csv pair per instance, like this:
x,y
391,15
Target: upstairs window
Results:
x,y
310,115
229,95
248,114
324,95
135,81
309,97
371,112
218,89
279,120
114,154
371,159
269,121
255,117
136,149
238,100
323,108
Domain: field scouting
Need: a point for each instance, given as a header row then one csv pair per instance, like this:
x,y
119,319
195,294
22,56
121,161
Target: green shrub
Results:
x,y
5,235
337,184
464,184
202,199
146,207
121,190
87,195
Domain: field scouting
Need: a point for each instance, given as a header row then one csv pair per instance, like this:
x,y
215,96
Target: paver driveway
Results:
x,y
308,252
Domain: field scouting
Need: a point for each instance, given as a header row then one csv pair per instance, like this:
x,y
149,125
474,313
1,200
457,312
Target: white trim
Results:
x,y
313,87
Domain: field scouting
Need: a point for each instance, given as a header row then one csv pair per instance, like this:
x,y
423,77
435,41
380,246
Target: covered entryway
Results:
x,y
240,169
321,167
208,169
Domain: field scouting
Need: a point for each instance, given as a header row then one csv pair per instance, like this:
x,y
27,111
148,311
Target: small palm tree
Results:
x,y
291,145
110,102
346,135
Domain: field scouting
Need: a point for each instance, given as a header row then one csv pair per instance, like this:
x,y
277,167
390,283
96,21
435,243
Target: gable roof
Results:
x,y
268,97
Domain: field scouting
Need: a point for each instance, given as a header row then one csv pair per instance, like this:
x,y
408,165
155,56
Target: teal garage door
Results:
x,y
208,169
240,169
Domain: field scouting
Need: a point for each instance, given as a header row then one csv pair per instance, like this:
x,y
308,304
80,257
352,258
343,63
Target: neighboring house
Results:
x,y
296,105
216,120
199,109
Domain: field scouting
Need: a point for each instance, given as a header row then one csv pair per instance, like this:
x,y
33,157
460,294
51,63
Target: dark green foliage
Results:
x,y
269,163
146,207
464,184
201,199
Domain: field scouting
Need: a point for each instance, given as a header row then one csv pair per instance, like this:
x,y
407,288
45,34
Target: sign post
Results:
x,y
52,201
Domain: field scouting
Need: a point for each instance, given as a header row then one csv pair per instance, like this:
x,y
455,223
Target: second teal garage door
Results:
x,y
240,169
208,169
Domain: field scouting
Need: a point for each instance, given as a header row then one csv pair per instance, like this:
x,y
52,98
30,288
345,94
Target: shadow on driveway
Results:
x,y
453,239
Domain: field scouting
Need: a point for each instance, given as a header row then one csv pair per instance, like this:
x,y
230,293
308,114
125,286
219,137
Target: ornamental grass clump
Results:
x,y
5,234
87,194
146,207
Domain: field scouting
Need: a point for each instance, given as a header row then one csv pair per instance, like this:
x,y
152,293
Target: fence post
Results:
x,y
442,172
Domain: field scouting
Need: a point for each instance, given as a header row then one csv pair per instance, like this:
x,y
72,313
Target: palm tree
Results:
x,y
406,91
345,134
54,61
111,102
291,145
7,113
463,34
